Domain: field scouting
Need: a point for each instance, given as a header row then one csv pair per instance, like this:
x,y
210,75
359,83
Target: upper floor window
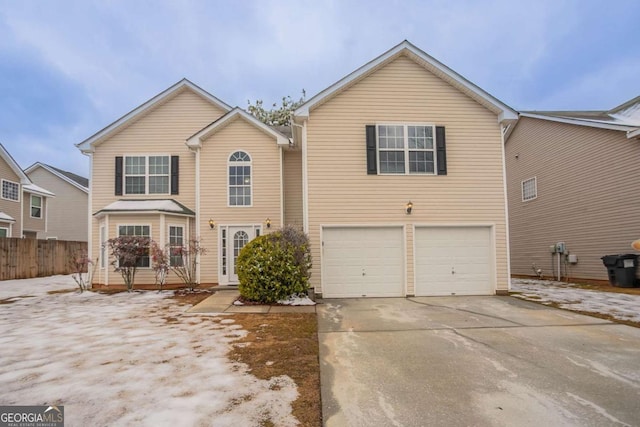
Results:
x,y
10,190
36,206
529,189
146,175
406,149
239,179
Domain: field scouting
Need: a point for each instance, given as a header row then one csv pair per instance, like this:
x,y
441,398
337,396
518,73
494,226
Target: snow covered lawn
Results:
x,y
128,359
571,297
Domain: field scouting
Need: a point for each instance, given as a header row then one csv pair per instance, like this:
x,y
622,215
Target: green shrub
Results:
x,y
274,266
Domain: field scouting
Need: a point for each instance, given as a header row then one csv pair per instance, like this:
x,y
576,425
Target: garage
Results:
x,y
362,262
454,261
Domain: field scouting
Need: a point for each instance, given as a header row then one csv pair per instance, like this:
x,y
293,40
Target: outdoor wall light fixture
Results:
x,y
409,207
268,222
212,223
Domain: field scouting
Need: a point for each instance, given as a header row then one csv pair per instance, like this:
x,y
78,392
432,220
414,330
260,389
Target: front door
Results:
x,y
238,237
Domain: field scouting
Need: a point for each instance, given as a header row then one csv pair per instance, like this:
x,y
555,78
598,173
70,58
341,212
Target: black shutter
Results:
x,y
441,150
118,183
372,164
175,160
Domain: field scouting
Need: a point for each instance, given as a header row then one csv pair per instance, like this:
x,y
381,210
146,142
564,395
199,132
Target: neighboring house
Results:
x,y
23,204
572,178
390,208
67,217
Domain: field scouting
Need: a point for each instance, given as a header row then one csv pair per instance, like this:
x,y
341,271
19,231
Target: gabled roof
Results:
x,y
87,145
77,181
624,117
146,206
4,154
196,139
504,112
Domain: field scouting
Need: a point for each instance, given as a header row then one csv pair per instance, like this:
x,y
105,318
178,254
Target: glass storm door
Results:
x,y
238,238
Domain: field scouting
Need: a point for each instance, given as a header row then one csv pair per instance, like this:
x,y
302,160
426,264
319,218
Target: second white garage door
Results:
x,y
454,261
362,262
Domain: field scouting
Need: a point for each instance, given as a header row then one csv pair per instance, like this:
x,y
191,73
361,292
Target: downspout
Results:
x,y
305,181
197,151
506,206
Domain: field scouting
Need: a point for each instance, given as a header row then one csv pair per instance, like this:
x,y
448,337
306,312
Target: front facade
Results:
x,y
184,166
571,180
23,204
67,212
396,173
404,182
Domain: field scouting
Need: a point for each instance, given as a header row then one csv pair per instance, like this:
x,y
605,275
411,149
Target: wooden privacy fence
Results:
x,y
27,258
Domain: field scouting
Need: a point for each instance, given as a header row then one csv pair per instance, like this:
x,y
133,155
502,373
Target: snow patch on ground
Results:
x,y
570,297
128,359
296,300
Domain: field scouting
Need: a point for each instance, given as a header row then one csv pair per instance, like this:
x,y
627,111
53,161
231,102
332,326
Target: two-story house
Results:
x,y
23,204
572,179
67,212
396,172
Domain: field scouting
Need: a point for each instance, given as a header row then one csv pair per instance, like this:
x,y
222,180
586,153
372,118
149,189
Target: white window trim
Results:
x,y
126,224
52,238
8,231
407,149
1,192
535,188
103,250
31,206
169,239
243,163
147,175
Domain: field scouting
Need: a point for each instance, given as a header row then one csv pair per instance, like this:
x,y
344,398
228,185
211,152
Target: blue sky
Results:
x,y
69,68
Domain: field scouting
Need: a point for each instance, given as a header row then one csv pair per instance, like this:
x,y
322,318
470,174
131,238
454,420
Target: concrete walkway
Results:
x,y
222,302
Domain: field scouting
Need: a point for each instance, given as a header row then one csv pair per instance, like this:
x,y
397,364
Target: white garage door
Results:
x,y
454,261
362,262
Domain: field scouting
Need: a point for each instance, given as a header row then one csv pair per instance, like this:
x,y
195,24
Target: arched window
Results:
x,y
239,179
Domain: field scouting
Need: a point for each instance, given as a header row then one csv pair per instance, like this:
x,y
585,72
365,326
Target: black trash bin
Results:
x,y
626,270
610,262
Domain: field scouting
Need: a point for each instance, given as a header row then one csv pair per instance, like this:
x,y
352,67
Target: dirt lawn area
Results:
x,y
138,359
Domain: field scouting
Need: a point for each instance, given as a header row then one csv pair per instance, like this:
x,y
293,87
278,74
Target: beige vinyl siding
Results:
x,y
292,182
34,224
159,230
341,192
10,207
587,195
162,131
265,176
67,212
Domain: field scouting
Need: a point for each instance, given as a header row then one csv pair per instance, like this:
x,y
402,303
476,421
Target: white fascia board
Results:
x,y
34,189
86,146
195,141
579,122
506,112
633,133
56,173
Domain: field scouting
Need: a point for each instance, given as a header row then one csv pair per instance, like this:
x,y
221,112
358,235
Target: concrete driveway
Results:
x,y
474,361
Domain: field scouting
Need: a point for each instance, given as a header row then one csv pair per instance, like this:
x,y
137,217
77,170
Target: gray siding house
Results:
x,y
572,178
68,211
